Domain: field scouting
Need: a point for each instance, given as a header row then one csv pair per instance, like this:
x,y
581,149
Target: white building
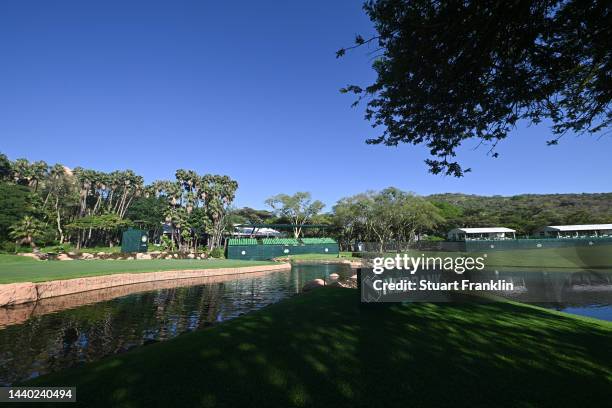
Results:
x,y
577,231
467,234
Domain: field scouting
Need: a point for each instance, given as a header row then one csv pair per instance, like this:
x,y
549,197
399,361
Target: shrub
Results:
x,y
60,249
217,253
8,247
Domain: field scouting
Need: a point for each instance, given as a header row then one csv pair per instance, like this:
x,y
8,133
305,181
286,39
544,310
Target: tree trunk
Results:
x,y
58,220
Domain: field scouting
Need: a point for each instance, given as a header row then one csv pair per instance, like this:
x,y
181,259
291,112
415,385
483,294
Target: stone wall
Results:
x,y
25,292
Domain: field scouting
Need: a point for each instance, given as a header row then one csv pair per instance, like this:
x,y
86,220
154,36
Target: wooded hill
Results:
x,y
525,212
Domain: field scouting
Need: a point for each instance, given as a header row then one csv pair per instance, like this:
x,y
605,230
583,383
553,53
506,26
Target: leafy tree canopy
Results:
x,y
452,71
298,208
15,203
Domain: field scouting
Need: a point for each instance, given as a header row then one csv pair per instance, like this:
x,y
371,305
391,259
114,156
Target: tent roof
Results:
x,y
584,227
484,230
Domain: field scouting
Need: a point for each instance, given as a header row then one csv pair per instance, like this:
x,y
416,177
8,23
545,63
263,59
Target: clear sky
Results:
x,y
243,88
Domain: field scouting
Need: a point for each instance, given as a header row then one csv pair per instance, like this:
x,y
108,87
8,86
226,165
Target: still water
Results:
x,y
61,332
57,333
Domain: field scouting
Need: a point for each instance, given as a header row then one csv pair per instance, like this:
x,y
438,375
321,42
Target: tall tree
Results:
x,y
15,203
61,197
450,71
299,208
5,167
219,193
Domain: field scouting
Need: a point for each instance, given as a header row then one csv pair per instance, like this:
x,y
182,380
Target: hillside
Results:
x,y
525,212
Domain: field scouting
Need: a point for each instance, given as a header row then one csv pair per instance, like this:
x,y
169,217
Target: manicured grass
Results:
x,y
314,256
342,255
564,257
324,349
15,268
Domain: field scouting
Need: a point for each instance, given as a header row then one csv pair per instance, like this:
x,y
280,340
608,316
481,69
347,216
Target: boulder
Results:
x,y
313,284
354,277
86,255
191,256
101,254
30,255
141,255
63,257
334,276
129,258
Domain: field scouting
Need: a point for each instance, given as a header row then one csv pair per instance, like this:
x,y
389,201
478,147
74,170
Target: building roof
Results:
x,y
584,227
484,230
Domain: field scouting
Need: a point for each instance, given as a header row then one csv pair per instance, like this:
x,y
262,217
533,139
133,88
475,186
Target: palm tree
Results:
x,y
27,230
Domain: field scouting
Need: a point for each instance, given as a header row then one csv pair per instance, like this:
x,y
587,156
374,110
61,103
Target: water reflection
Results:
x,y
57,333
582,292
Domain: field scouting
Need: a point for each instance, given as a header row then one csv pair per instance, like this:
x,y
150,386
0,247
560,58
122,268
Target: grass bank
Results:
x,y
563,257
321,257
15,268
323,349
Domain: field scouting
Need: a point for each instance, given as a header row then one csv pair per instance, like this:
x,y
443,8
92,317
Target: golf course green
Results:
x,y
325,349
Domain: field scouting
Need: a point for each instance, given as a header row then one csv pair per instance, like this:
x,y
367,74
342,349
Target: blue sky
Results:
x,y
247,89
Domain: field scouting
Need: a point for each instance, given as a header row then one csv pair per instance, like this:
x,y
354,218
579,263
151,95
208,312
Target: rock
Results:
x,y
29,255
63,257
141,255
71,253
101,254
155,253
175,256
313,284
86,255
129,258
191,256
354,277
334,276
16,293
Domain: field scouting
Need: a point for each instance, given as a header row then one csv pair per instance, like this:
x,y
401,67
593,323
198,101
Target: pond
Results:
x,y
61,332
57,333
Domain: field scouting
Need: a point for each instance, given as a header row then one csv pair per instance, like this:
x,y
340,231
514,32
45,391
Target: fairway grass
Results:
x,y
324,349
15,268
563,257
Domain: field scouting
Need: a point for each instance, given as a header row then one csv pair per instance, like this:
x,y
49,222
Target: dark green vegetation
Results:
x,y
54,205
21,269
80,209
392,215
450,72
525,212
324,349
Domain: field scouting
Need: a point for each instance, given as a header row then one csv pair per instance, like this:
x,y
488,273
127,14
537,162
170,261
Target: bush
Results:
x,y
217,253
60,249
433,238
8,247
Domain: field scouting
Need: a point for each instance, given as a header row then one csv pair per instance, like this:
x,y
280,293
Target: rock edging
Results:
x,y
25,292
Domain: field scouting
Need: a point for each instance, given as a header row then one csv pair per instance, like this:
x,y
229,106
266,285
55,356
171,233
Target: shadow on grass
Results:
x,y
324,349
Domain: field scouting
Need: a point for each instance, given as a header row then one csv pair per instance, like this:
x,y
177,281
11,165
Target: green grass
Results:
x,y
15,268
322,257
324,349
564,257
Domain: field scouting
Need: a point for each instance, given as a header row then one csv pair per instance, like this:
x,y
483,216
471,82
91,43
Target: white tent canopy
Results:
x,y
584,230
485,230
481,233
584,227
